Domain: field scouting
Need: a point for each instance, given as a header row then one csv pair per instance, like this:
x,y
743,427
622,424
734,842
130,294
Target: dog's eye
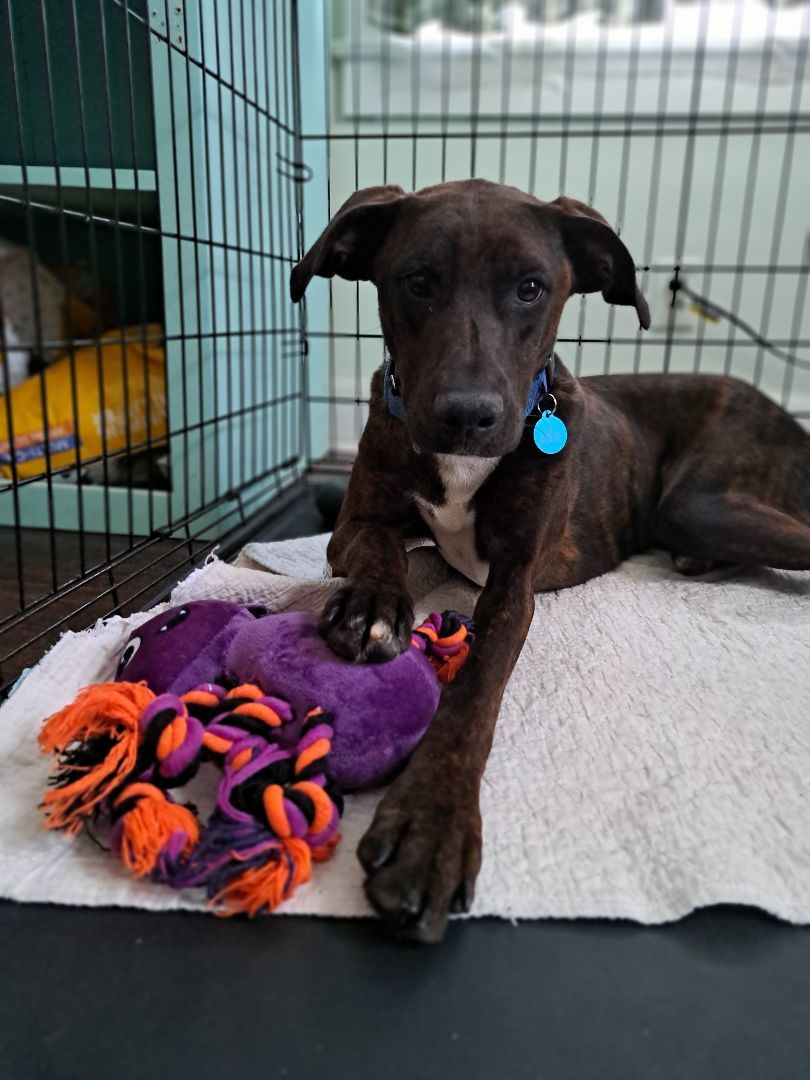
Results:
x,y
418,285
529,291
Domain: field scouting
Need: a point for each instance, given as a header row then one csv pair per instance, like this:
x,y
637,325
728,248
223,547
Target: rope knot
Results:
x,y
445,639
172,740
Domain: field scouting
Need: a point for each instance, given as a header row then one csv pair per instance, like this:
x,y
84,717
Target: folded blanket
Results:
x,y
652,754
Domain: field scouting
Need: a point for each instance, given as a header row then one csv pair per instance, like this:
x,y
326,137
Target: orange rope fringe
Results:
x,y
263,888
150,824
112,709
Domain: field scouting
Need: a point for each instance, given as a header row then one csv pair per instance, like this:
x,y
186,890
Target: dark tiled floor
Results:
x,y
31,570
89,591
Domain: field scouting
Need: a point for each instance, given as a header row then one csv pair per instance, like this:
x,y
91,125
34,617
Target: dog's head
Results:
x,y
472,278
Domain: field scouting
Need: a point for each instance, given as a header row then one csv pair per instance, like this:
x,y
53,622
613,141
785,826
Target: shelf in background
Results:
x,y
113,510
128,194
74,176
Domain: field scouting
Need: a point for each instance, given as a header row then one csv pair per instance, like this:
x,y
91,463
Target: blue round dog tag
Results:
x,y
550,433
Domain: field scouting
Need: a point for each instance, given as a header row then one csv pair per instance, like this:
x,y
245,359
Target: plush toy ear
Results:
x,y
351,239
600,260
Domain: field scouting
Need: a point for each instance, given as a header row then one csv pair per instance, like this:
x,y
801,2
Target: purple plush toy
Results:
x,y
380,711
286,724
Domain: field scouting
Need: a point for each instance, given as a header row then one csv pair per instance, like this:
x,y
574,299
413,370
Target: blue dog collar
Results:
x,y
541,386
393,398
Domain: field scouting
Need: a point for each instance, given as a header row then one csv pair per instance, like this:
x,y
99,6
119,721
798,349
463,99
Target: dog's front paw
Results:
x,y
422,855
364,624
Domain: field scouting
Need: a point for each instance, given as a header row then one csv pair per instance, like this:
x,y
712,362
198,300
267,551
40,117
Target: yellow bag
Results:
x,y
124,367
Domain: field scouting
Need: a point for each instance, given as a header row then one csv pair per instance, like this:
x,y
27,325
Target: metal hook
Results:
x,y
300,172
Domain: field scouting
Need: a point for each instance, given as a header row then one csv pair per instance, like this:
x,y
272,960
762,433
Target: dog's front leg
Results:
x,y
371,617
423,850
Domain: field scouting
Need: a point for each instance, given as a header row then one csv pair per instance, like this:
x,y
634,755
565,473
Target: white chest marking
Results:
x,y
453,522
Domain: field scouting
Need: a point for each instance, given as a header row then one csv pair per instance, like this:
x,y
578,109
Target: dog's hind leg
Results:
x,y
705,528
690,566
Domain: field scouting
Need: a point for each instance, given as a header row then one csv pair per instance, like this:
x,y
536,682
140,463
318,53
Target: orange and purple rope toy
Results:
x,y
121,750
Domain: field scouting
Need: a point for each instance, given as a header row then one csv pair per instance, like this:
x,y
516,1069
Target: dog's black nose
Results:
x,y
460,412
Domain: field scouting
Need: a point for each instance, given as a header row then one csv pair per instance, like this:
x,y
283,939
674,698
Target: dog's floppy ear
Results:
x,y
349,242
600,260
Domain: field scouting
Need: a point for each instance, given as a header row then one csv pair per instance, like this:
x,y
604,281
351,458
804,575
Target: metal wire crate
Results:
x,y
685,124
166,163
148,190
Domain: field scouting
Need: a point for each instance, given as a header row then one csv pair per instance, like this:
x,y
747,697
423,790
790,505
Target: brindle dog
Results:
x,y
472,278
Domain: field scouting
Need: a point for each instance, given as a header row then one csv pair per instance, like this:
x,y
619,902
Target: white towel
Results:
x,y
652,754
